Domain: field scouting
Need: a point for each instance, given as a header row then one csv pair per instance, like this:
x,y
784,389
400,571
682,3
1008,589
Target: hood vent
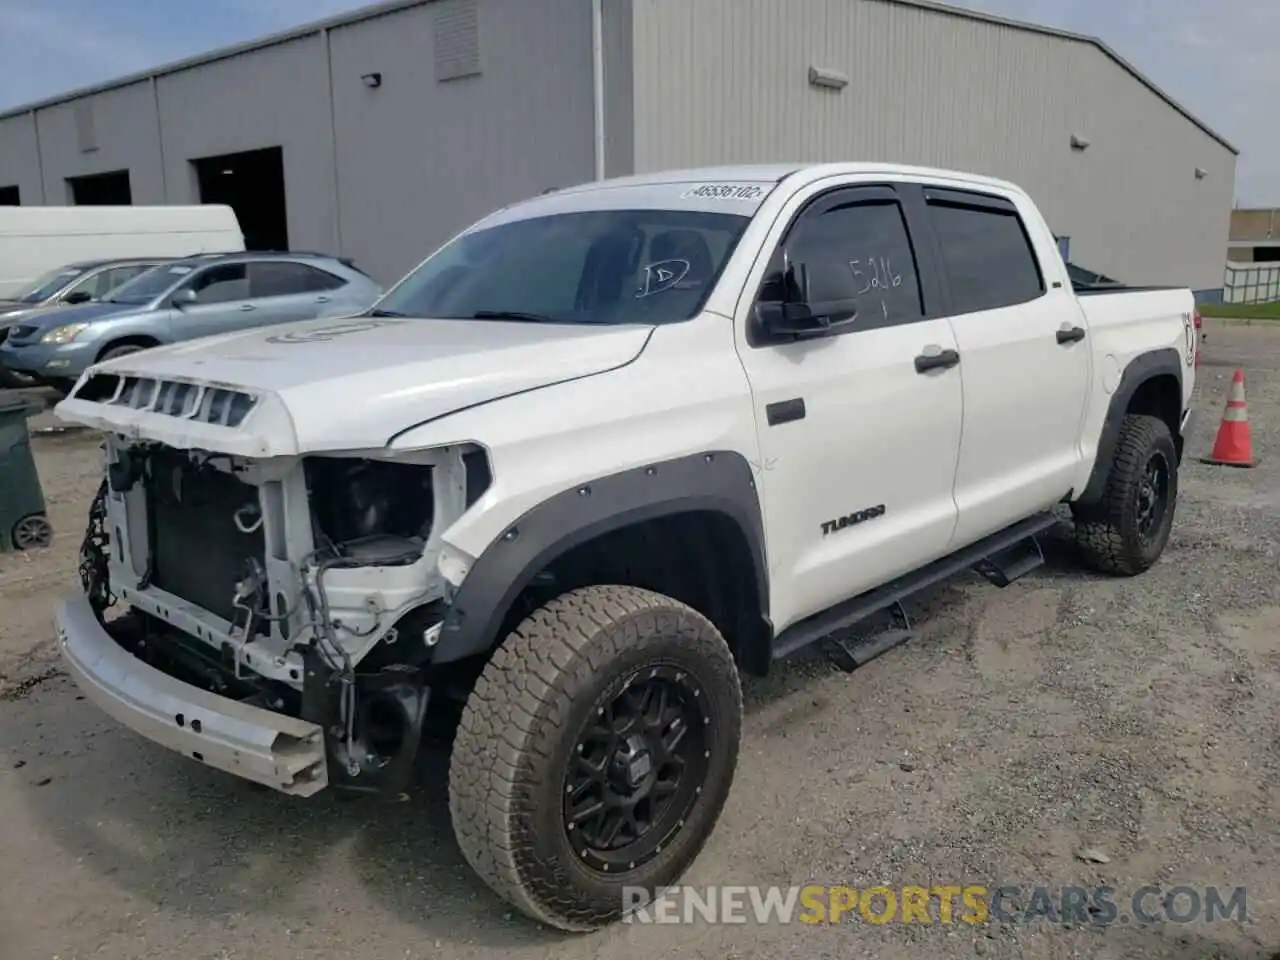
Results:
x,y
173,398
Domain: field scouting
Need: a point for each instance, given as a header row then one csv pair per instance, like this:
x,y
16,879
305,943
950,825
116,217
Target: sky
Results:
x,y
1220,60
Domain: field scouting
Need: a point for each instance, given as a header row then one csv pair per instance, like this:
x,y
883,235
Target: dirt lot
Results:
x,y
1140,718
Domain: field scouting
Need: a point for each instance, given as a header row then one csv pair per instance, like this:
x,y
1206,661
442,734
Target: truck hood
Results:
x,y
330,385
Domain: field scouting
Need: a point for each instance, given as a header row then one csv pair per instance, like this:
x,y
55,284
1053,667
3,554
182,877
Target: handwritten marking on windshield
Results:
x,y
662,275
324,334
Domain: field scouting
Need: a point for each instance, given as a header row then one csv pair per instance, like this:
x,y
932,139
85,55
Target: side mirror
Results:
x,y
184,297
77,296
797,316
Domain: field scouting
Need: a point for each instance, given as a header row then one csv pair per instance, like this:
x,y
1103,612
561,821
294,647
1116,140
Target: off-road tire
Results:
x,y
1108,532
520,727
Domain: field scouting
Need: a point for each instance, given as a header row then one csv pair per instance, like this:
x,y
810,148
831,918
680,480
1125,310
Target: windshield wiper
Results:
x,y
513,315
385,313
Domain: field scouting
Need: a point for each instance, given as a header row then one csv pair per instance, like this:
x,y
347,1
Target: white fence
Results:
x,y
1251,283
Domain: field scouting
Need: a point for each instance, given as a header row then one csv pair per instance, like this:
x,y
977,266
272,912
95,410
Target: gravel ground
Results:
x,y
1068,712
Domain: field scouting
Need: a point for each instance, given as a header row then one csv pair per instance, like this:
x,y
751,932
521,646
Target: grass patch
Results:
x,y
1251,311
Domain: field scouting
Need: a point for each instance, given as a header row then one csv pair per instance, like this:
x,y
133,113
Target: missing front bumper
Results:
x,y
269,748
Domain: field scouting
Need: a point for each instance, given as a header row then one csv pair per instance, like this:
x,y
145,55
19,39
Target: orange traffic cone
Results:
x,y
1233,447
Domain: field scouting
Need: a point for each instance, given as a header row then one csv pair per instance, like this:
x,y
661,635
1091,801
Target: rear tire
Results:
x,y
605,694
32,532
1126,531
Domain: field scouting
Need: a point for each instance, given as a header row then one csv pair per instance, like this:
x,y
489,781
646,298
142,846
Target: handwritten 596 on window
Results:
x,y
860,251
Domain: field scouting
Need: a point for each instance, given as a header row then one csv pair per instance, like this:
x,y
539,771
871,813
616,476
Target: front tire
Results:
x,y
595,753
123,350
1126,531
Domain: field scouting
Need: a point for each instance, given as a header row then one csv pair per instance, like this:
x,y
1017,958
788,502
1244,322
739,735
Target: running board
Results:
x,y
857,609
849,654
1001,569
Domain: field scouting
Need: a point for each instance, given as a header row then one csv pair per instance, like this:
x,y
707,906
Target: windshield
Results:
x,y
150,284
49,284
598,266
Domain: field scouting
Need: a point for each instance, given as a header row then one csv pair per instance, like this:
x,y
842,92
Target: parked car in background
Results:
x,y
183,300
37,240
75,283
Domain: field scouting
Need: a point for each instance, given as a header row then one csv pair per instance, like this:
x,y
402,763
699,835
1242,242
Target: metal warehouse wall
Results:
x,y
419,159
727,81
383,175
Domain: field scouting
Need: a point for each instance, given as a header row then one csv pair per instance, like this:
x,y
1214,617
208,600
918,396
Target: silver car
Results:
x,y
81,282
182,300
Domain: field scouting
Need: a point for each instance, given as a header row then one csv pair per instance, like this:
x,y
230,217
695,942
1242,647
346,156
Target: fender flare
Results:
x,y
719,481
1141,369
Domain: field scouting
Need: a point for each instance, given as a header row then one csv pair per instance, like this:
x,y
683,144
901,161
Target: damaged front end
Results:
x,y
304,586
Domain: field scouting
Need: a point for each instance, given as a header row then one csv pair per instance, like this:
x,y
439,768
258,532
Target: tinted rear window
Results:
x,y
988,256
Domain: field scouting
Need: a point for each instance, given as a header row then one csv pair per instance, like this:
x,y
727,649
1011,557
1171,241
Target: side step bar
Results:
x,y
1001,558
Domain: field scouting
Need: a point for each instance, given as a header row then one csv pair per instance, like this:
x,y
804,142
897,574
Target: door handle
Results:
x,y
935,359
1070,334
322,299
246,307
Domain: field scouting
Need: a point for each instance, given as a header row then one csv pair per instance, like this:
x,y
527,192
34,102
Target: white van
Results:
x,y
37,240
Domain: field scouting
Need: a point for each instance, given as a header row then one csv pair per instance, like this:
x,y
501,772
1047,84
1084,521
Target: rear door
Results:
x,y
1024,359
286,290
857,444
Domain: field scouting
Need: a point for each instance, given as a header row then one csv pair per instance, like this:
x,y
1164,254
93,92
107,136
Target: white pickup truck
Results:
x,y
595,456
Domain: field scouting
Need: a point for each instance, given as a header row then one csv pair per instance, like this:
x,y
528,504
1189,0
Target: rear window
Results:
x,y
986,252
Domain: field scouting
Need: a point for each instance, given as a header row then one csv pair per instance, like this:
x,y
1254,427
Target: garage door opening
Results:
x,y
101,189
10,197
252,184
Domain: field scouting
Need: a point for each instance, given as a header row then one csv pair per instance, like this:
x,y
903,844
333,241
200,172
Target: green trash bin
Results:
x,y
23,524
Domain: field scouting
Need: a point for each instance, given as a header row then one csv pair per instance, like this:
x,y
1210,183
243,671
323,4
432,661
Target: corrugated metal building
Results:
x,y
389,129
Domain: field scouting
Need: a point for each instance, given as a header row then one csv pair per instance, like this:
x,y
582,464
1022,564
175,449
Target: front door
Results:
x,y
222,303
857,446
1024,360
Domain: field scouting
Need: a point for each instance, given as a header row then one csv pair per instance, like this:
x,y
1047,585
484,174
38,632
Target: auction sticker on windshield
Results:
x,y
724,191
